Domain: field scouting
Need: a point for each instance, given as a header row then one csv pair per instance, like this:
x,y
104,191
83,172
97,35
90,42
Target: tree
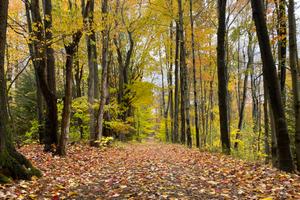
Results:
x,y
165,108
13,164
65,120
250,52
194,77
104,85
51,127
269,72
39,95
293,54
282,43
176,93
170,81
222,77
185,100
93,80
39,51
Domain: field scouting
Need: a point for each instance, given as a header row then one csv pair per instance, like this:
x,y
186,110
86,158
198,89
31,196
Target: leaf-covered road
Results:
x,y
149,171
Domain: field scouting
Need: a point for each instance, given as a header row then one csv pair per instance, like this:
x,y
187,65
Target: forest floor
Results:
x,y
149,170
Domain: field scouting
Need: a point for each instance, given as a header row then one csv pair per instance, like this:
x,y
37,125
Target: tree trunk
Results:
x,y
266,124
170,83
269,72
78,92
222,78
164,108
282,43
66,113
51,138
244,97
39,95
182,81
274,146
185,100
3,96
104,86
78,76
124,65
202,101
293,51
93,88
194,77
176,97
13,164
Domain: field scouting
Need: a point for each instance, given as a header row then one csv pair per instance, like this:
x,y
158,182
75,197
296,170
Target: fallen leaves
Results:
x,y
149,171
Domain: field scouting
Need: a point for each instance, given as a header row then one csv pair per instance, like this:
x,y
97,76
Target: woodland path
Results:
x,y
149,170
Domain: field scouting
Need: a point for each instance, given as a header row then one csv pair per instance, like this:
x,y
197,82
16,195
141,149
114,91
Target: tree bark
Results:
x,y
51,137
39,95
78,75
293,54
104,86
176,97
13,164
93,82
269,72
164,105
182,77
124,65
67,100
194,77
170,83
185,100
282,43
250,53
266,127
3,96
222,78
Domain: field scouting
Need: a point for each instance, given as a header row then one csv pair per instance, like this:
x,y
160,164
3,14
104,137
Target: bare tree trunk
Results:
x,y
78,92
222,77
124,65
266,124
93,88
164,107
104,86
3,96
65,120
170,84
182,80
13,164
39,95
274,145
194,77
185,100
293,51
244,97
176,111
282,43
202,103
269,72
51,137
51,127
78,75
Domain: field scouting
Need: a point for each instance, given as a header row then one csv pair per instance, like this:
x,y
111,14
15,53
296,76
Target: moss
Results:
x,y
35,172
13,168
15,165
4,179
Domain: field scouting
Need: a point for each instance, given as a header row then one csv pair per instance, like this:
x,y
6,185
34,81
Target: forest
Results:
x,y
149,99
